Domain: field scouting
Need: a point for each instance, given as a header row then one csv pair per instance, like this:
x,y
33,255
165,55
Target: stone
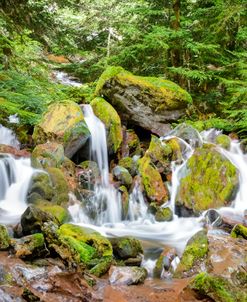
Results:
x,y
4,238
122,175
164,214
109,116
127,275
239,231
130,164
40,188
163,263
211,181
148,102
63,123
88,173
224,141
126,247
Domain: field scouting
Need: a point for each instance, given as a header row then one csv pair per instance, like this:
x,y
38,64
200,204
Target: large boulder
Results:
x,y
148,102
109,116
211,181
63,123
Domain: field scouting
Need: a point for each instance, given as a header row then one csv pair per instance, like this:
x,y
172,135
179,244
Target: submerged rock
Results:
x,y
127,275
63,123
109,116
144,101
211,181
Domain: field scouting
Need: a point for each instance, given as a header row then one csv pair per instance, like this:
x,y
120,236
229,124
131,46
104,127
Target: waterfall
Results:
x,y
106,201
7,137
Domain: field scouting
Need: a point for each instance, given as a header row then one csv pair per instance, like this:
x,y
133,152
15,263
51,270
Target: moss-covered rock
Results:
x,y
122,175
131,143
63,123
163,263
163,214
60,213
47,155
216,288
224,141
145,101
88,173
125,201
239,231
211,181
4,238
126,247
59,185
31,246
152,181
176,148
130,164
193,256
109,116
40,188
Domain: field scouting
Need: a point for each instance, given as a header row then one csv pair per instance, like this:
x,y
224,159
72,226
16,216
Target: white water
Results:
x,y
7,137
64,78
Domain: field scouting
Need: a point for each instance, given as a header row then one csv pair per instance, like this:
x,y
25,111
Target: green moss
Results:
x,y
125,200
101,267
4,238
164,214
195,252
126,247
61,214
211,181
129,164
176,148
40,188
109,116
122,175
152,181
224,141
216,288
239,231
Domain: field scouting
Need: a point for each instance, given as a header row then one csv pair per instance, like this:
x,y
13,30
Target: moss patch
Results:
x,y
239,231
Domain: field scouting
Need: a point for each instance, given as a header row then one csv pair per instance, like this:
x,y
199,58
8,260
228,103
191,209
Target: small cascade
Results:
x,y
7,137
106,201
63,78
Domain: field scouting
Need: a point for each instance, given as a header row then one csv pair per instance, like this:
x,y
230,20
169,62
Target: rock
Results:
x,y
13,151
69,171
224,141
239,231
152,181
33,219
144,101
164,214
131,144
63,123
30,247
125,201
216,288
211,181
88,173
126,247
192,260
127,275
4,238
40,188
109,116
79,247
122,175
175,144
163,264
130,164
50,154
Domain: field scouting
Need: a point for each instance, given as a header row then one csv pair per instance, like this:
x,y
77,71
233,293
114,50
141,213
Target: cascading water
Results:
x,y
15,175
106,200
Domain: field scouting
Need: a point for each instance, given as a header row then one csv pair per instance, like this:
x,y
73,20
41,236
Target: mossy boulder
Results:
x,y
148,102
4,238
131,143
176,149
79,246
211,181
130,164
152,181
50,154
88,173
60,213
63,123
122,175
163,263
164,214
216,288
109,116
40,188
194,255
30,247
224,141
126,247
125,201
239,231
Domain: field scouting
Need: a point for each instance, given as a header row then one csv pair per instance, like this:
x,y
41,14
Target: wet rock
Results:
x,y
125,201
131,144
224,141
127,275
40,188
88,173
50,154
211,181
239,231
176,147
216,288
122,175
152,181
164,214
130,164
63,123
32,246
194,255
126,247
4,238
60,213
144,101
33,219
9,297
15,152
109,116
163,264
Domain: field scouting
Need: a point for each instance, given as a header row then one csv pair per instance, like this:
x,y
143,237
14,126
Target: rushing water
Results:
x,y
7,137
65,79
